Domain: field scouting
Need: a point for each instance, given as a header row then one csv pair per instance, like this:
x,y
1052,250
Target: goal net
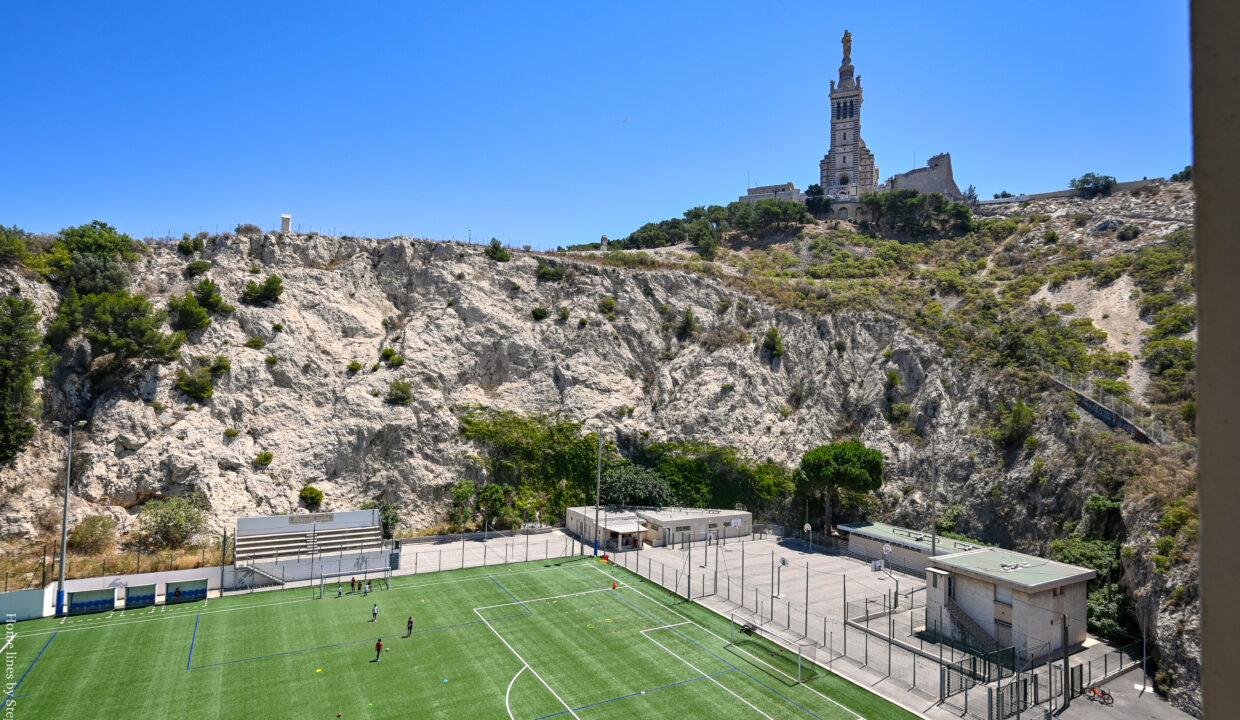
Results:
x,y
782,659
379,579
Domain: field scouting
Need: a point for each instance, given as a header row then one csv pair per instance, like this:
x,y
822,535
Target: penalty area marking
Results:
x,y
708,677
837,703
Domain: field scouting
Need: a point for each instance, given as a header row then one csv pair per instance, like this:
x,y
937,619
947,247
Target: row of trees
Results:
x,y
533,467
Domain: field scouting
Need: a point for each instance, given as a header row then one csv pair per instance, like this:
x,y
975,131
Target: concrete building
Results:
x,y
787,191
910,550
1001,598
847,171
935,177
286,223
627,528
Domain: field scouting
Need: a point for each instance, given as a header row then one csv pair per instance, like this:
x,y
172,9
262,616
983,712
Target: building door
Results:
x,y
951,587
1003,633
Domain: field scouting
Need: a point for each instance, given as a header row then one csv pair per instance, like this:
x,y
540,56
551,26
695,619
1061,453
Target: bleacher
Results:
x,y
308,542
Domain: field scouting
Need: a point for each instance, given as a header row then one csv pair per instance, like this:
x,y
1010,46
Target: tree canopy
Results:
x,y
847,465
629,484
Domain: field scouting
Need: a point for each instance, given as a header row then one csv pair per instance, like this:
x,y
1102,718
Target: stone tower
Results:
x,y
848,168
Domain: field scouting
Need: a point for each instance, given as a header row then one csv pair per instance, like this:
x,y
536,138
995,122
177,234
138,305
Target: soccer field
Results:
x,y
525,641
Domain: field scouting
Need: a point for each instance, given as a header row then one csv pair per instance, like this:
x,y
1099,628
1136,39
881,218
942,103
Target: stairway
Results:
x,y
973,631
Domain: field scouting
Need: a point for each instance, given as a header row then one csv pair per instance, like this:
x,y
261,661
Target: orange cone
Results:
x,y
613,586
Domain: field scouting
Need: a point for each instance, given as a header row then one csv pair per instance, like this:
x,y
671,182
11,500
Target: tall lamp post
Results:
x,y
64,523
598,485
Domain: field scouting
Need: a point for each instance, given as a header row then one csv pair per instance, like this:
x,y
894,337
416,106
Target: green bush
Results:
x,y
400,392
1128,232
96,274
1079,219
389,514
562,314
24,358
94,535
263,459
128,327
196,268
354,366
311,496
396,361
540,313
231,432
208,296
773,343
189,245
900,412
277,327
195,383
248,229
607,306
171,522
187,313
1184,175
256,343
1013,423
581,322
272,359
387,353
268,292
1050,236
548,273
496,251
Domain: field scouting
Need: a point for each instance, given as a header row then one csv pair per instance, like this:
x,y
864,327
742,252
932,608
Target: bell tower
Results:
x,y
847,170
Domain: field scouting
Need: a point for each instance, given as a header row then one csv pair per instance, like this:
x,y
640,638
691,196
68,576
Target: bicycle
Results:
x,y
1099,694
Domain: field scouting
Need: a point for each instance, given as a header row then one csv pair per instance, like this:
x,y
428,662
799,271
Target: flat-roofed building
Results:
x,y
627,528
999,598
911,550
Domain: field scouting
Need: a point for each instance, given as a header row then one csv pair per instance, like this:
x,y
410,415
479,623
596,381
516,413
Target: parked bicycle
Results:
x,y
1099,694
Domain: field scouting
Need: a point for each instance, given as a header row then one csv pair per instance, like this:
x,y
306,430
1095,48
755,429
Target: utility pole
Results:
x,y
934,498
1067,692
64,525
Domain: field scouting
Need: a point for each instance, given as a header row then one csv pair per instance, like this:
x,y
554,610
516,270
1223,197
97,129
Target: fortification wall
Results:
x,y
935,177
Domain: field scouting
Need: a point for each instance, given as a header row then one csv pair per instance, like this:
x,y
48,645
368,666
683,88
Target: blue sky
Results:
x,y
554,123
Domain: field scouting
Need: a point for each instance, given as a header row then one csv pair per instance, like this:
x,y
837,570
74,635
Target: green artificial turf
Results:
x,y
526,641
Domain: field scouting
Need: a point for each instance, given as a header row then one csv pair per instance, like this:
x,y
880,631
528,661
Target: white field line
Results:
x,y
256,606
664,627
507,694
526,664
7,644
703,674
807,687
542,599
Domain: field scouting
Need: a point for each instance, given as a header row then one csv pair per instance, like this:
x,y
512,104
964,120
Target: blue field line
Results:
x,y
719,657
23,678
637,694
191,641
514,597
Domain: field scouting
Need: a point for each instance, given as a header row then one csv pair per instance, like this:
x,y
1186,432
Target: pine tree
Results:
x,y
22,358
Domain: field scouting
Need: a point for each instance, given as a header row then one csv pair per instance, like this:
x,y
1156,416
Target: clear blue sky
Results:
x,y
555,123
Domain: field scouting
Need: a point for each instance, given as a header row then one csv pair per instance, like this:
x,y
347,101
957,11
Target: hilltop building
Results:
x,y
787,191
847,171
936,176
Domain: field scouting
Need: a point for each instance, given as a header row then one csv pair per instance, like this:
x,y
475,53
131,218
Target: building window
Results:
x,y
682,528
934,580
843,179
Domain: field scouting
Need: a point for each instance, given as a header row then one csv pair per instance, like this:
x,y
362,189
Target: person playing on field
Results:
x,y
378,649
409,627
365,590
339,590
352,585
374,614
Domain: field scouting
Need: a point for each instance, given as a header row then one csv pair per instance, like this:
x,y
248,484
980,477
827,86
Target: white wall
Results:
x,y
27,604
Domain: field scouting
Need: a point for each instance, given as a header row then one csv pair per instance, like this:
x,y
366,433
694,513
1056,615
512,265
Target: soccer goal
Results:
x,y
380,579
779,658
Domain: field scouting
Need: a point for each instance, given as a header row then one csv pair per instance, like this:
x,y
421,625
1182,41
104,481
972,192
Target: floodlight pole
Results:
x,y
64,524
598,485
934,500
